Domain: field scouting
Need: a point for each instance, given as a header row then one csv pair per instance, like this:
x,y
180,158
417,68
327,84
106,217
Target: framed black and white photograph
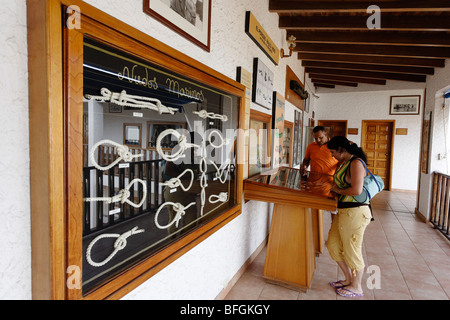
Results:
x,y
262,90
190,18
298,138
405,105
114,108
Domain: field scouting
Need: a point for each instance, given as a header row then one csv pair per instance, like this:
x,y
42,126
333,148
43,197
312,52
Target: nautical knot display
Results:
x,y
125,100
220,172
119,244
178,208
122,151
182,143
205,114
222,197
176,182
203,182
123,195
223,142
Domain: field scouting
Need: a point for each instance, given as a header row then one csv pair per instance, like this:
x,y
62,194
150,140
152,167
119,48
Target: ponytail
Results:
x,y
342,142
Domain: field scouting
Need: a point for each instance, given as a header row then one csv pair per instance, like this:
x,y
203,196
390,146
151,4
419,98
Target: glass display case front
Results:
x,y
159,158
318,184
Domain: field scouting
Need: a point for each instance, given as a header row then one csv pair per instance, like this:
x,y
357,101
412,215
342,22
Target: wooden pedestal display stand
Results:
x,y
296,232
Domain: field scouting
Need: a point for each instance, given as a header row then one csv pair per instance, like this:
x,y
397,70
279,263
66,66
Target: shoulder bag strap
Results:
x,y
364,164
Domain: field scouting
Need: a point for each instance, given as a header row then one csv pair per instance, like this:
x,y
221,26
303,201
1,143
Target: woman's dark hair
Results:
x,y
342,142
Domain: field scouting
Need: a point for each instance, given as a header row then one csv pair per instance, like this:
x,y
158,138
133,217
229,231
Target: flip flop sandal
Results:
x,y
348,293
338,284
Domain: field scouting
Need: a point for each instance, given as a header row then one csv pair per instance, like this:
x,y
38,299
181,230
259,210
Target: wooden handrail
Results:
x,y
440,204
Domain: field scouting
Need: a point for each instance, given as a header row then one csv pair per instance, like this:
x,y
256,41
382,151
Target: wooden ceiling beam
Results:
x,y
369,74
423,62
372,37
300,6
381,50
335,42
389,21
370,67
323,85
346,79
333,82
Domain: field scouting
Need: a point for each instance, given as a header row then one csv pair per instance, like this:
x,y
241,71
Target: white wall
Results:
x,y
436,86
371,102
15,239
207,268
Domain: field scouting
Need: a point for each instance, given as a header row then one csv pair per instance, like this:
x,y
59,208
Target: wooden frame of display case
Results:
x,y
56,132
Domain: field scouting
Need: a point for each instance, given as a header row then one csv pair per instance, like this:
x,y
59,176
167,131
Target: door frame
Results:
x,y
321,123
391,161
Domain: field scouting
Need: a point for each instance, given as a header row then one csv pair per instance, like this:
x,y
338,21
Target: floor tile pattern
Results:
x,y
412,257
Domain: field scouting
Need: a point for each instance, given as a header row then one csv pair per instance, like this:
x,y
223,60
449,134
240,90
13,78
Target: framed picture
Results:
x,y
278,116
404,105
154,129
190,18
114,108
262,93
132,134
259,142
298,138
307,101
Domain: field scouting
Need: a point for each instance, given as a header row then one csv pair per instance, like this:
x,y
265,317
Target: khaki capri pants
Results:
x,y
346,236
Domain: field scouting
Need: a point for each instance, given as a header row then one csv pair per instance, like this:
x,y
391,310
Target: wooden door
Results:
x,y
376,141
338,127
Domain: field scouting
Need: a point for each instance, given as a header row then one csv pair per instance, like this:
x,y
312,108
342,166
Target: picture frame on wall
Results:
x,y
307,101
114,108
298,138
405,105
278,117
189,18
262,89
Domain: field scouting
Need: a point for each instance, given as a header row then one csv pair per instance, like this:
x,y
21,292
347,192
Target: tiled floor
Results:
x,y
413,260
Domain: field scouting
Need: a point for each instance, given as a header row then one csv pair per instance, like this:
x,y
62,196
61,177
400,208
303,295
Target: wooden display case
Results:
x,y
294,237
103,249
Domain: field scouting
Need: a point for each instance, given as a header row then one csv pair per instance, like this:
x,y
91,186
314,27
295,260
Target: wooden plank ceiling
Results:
x,y
336,47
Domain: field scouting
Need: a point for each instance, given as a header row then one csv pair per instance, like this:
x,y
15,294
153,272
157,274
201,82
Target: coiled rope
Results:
x,y
205,114
125,100
176,182
123,195
122,151
119,244
178,208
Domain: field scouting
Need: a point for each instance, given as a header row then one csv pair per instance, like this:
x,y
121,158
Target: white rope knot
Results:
x,y
176,182
182,143
223,142
122,151
123,195
220,172
222,197
178,208
125,100
119,244
121,241
123,97
205,114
